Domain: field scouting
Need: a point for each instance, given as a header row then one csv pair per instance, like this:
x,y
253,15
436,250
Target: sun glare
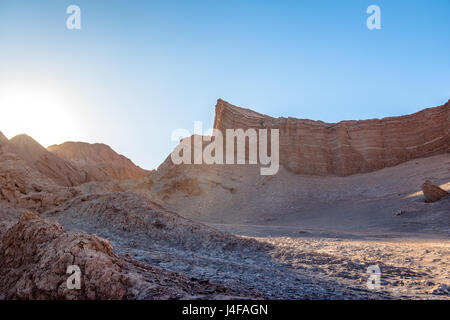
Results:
x,y
43,113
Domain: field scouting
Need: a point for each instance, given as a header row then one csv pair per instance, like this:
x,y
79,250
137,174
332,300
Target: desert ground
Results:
x,y
297,250
411,268
328,229
292,263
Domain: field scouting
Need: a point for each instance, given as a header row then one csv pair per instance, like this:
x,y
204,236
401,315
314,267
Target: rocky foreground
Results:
x,y
35,254
146,260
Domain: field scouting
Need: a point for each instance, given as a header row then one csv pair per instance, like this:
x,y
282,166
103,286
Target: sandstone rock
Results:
x,y
99,161
132,213
3,139
34,257
33,178
8,217
433,193
62,172
347,147
35,254
23,186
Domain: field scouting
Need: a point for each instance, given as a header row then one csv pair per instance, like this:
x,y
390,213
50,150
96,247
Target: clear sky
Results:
x,y
137,70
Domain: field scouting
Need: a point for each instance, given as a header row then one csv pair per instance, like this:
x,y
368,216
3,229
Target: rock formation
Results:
x,y
348,147
433,193
33,178
160,254
35,254
3,139
46,163
131,213
99,161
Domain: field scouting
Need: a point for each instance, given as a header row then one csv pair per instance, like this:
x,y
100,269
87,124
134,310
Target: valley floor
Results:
x,y
410,268
309,265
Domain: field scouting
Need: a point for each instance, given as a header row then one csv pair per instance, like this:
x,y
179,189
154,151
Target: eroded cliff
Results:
x,y
348,147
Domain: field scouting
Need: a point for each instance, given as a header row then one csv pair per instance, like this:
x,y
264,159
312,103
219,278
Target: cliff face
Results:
x,y
348,147
99,161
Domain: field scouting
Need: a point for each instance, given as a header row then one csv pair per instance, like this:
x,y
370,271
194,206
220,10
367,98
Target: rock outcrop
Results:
x,y
433,193
33,178
348,147
98,161
3,139
62,172
35,254
132,213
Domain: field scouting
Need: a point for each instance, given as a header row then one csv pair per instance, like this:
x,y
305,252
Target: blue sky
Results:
x,y
137,70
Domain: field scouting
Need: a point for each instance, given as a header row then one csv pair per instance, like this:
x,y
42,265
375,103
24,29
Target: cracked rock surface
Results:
x,y
35,254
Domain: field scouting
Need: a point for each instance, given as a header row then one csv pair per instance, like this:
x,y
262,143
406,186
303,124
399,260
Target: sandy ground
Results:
x,y
315,237
323,232
331,229
364,203
410,268
298,265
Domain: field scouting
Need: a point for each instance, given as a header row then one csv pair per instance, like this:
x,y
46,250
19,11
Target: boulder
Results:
x,y
433,193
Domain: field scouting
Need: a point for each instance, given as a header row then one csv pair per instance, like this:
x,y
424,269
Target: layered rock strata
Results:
x,y
348,147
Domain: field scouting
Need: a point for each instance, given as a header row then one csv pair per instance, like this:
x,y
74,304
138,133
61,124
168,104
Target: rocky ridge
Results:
x,y
98,161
